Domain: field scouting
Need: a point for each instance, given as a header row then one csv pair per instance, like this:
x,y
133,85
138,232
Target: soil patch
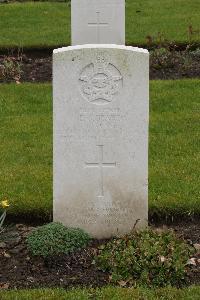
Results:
x,y
20,270
37,66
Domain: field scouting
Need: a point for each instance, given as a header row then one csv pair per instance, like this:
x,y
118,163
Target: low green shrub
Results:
x,y
54,238
162,58
196,54
11,69
147,258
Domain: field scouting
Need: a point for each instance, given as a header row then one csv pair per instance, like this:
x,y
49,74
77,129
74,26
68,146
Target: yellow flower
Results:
x,y
4,203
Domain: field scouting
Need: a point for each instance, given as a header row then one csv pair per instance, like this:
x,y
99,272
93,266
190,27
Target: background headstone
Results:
x,y
98,22
101,138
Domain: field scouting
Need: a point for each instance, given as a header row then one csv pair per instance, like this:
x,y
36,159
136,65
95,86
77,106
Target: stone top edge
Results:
x,y
100,46
107,1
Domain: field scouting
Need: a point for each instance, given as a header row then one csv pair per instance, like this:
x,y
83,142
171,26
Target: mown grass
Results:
x,y
111,293
174,156
48,24
39,24
26,148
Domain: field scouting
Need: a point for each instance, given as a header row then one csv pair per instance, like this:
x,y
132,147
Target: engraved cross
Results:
x,y
98,24
101,164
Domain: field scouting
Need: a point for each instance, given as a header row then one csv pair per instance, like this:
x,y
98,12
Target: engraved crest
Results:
x,y
100,81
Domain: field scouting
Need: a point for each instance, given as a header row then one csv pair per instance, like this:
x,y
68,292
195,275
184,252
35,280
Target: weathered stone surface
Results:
x,y
98,22
101,138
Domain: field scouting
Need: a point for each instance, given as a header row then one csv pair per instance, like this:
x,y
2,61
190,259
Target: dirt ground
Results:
x,y
36,66
20,270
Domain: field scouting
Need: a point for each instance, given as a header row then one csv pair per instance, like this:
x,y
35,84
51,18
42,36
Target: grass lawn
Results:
x,y
111,293
48,24
174,156
26,147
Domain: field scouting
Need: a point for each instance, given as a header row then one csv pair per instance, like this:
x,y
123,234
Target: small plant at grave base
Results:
x,y
4,204
54,239
196,54
10,69
160,58
147,258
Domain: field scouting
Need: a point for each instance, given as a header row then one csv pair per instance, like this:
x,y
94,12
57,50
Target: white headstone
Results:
x,y
98,22
101,105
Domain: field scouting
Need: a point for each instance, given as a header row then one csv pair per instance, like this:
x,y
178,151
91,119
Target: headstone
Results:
x,y
101,107
98,22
